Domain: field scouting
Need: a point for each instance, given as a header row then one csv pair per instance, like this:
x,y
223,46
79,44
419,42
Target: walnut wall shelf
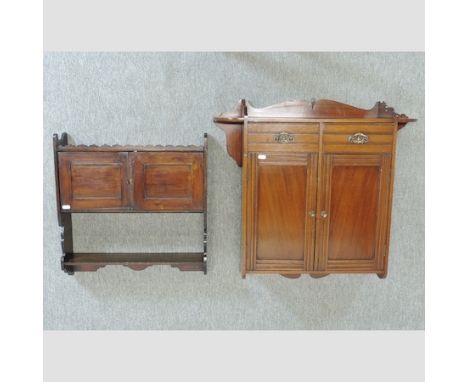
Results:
x,y
316,186
143,179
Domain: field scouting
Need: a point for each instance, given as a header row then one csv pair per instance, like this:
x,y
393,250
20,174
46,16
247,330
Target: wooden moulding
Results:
x,y
127,148
298,111
190,261
72,262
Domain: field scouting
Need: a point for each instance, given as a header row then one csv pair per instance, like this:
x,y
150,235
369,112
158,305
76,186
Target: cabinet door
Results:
x,y
168,181
353,213
280,195
90,181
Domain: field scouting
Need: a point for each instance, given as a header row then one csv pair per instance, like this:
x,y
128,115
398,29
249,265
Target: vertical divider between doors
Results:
x,y
318,203
311,205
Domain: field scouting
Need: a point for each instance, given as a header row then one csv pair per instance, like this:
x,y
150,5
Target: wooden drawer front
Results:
x,y
92,181
168,181
283,137
293,128
353,138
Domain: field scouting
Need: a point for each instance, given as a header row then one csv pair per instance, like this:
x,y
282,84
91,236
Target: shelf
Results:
x,y
89,262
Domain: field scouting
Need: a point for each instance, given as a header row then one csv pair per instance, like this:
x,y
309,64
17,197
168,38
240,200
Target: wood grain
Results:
x,y
168,181
354,197
281,208
353,212
93,180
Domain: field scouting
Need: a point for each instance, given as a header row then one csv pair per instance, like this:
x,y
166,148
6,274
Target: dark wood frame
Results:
x,y
72,262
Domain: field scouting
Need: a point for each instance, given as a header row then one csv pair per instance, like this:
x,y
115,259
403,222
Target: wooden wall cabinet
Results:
x,y
93,179
317,185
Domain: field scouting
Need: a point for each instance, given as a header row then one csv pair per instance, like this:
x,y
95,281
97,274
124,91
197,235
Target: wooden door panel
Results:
x,y
93,180
281,211
353,205
165,181
353,212
279,228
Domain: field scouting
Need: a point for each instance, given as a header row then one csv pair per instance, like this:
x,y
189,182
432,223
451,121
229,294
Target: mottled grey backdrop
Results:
x,y
170,98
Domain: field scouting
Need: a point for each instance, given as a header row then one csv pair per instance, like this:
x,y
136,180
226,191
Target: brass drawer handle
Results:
x,y
358,138
284,137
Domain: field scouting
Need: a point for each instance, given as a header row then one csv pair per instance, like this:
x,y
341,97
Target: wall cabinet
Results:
x,y
169,181
116,179
317,186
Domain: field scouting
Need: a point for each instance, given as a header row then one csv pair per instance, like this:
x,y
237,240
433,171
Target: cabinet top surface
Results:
x,y
311,111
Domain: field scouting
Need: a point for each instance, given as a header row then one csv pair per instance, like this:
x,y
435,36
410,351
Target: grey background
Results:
x,y
181,25
170,98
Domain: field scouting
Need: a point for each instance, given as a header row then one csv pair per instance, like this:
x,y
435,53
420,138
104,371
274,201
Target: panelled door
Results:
x,y
353,212
93,180
137,181
168,181
280,219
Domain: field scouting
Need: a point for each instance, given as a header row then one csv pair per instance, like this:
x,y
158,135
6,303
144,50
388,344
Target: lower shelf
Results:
x,y
90,262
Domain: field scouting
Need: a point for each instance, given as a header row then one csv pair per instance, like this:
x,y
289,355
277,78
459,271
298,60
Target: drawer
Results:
x,y
358,141
283,142
281,137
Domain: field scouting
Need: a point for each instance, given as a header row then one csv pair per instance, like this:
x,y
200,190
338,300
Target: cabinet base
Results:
x,y
315,275
291,276
318,276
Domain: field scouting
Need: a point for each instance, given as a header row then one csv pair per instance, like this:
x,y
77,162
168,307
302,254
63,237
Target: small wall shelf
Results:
x,y
154,179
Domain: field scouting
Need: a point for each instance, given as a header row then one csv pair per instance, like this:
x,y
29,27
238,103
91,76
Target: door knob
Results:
x,y
323,214
312,214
